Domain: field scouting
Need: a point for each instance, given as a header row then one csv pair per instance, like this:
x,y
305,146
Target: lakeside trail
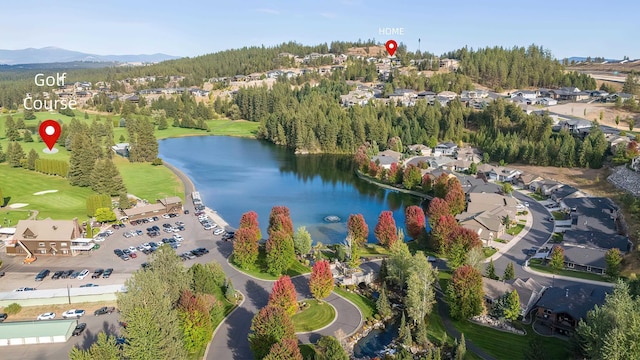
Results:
x,y
230,338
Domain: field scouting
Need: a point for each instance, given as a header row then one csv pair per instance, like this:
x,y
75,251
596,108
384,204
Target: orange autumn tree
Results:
x,y
321,282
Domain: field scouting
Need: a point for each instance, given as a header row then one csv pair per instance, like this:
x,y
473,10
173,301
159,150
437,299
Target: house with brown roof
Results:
x,y
47,237
529,291
161,207
171,204
486,213
561,309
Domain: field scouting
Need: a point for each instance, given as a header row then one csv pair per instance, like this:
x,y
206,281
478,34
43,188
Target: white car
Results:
x,y
166,216
208,227
133,249
526,204
146,246
83,274
73,313
109,232
218,232
178,237
47,316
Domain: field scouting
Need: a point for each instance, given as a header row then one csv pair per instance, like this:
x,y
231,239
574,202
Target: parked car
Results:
x,y
47,316
73,313
124,257
24,289
133,255
79,329
56,275
74,275
66,274
83,274
118,252
97,273
218,232
186,212
107,273
89,285
42,274
3,317
104,310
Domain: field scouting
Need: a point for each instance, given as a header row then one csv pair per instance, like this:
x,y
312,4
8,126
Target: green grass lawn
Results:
x,y
147,181
537,196
558,215
366,306
20,185
488,251
537,265
316,316
10,217
370,250
259,270
557,237
515,230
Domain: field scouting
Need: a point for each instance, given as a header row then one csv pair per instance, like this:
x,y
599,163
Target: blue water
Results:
x,y
235,175
371,345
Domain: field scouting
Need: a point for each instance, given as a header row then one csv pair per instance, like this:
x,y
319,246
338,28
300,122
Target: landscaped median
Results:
x,y
259,270
313,315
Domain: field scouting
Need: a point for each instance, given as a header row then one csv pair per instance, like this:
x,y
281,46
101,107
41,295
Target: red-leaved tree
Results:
x,y
393,175
361,158
245,247
287,349
249,220
427,183
321,282
358,229
441,186
373,169
458,244
440,231
437,208
283,294
415,221
280,219
455,197
270,326
386,231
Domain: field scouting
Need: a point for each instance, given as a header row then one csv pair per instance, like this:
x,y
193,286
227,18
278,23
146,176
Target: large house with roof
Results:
x,y
485,214
446,149
561,309
386,158
529,291
47,237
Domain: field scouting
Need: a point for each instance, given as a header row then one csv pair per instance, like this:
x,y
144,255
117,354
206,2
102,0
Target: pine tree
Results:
x,y
382,304
12,133
421,334
106,179
461,348
15,154
509,272
404,332
491,270
229,291
27,136
82,160
31,159
123,201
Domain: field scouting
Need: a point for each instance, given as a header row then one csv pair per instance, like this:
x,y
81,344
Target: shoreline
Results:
x,y
389,187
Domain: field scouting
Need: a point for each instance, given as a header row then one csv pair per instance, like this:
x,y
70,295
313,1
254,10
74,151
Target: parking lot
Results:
x,y
186,227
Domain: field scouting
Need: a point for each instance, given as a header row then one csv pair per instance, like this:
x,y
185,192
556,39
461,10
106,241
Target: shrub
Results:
x,y
13,309
156,162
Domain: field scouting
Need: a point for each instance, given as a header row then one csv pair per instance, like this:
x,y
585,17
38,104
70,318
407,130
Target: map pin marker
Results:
x,y
391,46
50,132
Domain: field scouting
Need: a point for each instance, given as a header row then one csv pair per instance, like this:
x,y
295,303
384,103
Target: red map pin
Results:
x,y
391,46
50,132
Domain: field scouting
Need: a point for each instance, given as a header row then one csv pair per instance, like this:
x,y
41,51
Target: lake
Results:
x,y
236,175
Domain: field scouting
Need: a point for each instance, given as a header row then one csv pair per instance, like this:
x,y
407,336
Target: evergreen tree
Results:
x,y
106,179
382,304
82,160
229,291
15,154
27,136
421,335
329,348
404,332
461,348
11,130
123,201
509,272
31,159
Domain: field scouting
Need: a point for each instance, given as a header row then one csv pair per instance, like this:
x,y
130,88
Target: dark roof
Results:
x,y
584,256
574,300
596,240
595,214
478,188
449,145
564,191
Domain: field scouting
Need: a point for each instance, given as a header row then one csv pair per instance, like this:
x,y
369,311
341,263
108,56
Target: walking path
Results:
x,y
230,338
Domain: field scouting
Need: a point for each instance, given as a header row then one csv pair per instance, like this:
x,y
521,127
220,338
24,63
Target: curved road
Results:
x,y
230,339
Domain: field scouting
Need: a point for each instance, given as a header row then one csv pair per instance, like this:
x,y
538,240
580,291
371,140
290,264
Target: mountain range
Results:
x,y
57,55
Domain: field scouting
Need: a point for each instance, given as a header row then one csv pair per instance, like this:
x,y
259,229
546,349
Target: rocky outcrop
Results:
x,y
626,179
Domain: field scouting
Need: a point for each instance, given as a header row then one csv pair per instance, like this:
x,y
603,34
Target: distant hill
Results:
x,y
58,55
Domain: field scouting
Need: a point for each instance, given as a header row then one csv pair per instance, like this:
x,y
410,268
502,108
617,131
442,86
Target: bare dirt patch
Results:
x,y
32,312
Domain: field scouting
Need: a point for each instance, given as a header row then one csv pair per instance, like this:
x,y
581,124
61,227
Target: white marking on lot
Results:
x,y
17,205
45,192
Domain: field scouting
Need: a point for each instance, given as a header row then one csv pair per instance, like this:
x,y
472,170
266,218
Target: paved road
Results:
x,y
230,340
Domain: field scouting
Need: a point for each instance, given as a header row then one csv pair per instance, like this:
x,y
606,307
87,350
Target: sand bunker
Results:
x,y
17,205
45,192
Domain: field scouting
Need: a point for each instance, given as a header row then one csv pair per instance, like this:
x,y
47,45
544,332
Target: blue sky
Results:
x,y
190,28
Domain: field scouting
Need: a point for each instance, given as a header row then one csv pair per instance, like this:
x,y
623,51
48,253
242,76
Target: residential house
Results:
x,y
561,192
446,149
274,74
562,308
420,149
526,94
449,95
406,96
570,94
427,95
599,94
617,141
469,154
623,96
474,94
545,187
171,204
503,174
529,291
387,157
547,101
524,180
47,237
434,162
485,214
574,125
450,64
461,165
